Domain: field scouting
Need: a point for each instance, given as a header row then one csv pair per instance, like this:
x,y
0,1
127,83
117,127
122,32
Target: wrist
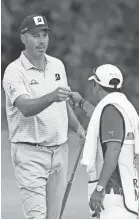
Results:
x,y
99,188
78,129
81,103
51,98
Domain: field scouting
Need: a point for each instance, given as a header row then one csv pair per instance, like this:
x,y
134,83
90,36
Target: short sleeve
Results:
x,y
111,125
14,85
64,76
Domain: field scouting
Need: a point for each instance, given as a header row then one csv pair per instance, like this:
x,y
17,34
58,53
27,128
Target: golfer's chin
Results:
x,y
40,52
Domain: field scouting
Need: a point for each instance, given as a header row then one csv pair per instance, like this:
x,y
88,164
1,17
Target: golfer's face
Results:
x,y
37,42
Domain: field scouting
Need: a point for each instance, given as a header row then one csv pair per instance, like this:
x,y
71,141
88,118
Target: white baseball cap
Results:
x,y
105,73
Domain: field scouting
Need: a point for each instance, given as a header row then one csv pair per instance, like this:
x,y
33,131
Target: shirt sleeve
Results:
x,y
14,85
64,76
111,125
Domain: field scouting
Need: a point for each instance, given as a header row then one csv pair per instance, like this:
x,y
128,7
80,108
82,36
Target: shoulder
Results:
x,y
12,70
12,66
112,126
54,60
110,112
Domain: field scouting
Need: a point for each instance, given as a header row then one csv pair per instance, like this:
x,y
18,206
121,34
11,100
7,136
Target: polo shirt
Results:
x,y
112,129
50,125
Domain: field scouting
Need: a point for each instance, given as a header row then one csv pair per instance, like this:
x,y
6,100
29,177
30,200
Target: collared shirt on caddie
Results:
x,y
50,125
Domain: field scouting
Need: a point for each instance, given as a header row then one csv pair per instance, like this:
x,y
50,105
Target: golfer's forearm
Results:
x,y
31,107
88,108
73,121
110,163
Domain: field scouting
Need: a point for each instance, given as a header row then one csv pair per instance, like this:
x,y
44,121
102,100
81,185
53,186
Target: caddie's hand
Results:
x,y
60,94
96,201
75,98
82,133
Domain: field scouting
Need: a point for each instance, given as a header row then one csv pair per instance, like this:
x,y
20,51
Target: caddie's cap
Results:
x,y
105,73
33,23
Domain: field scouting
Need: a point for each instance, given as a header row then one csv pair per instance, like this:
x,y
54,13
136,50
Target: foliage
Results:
x,y
85,34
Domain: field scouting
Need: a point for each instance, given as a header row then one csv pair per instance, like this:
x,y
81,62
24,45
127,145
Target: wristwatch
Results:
x,y
99,188
81,103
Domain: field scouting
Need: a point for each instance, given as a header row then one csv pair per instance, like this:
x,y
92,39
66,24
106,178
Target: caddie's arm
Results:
x,y
74,122
110,162
83,104
111,135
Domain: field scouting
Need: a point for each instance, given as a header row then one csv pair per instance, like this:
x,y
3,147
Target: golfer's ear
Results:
x,y
23,38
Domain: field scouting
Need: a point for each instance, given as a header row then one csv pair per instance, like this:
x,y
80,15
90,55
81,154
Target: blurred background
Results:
x,y
85,34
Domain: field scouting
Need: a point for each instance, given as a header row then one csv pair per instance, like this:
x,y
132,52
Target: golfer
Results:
x,y
38,115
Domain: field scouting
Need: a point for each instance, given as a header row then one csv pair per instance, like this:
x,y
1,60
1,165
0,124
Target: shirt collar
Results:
x,y
26,63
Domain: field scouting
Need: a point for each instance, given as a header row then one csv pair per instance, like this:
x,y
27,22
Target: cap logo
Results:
x,y
38,20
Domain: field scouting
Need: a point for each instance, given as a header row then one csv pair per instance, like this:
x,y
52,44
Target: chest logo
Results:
x,y
57,76
33,82
111,132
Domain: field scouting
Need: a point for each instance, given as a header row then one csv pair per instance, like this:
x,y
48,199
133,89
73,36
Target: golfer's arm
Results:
x,y
88,108
31,107
73,121
110,162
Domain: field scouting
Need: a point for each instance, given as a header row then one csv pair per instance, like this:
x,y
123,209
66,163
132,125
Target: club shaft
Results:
x,y
66,194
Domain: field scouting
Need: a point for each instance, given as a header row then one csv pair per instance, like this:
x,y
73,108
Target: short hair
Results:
x,y
113,82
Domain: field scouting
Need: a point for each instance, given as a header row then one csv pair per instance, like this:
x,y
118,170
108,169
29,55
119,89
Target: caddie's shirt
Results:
x,y
50,125
112,129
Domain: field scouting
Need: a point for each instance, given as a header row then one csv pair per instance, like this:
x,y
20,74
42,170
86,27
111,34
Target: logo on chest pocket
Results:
x,y
33,82
57,76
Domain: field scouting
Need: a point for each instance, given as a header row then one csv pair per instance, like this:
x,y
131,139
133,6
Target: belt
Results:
x,y
43,144
111,190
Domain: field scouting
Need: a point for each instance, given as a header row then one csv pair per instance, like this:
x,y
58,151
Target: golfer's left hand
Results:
x,y
82,133
96,201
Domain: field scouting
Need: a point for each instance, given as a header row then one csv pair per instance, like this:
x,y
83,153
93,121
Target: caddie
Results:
x,y
38,115
111,151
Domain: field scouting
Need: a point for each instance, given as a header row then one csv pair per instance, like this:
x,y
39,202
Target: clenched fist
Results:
x,y
60,94
75,98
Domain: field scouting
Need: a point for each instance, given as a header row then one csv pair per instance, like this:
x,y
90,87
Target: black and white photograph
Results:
x,y
69,109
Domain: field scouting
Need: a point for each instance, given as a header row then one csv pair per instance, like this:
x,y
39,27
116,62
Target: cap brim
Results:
x,y
36,29
91,78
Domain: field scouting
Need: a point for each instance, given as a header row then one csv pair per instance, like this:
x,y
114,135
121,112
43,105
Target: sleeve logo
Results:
x,y
111,132
57,76
12,90
38,20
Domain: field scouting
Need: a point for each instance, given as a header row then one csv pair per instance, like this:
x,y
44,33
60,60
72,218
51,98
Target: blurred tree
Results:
x,y
84,35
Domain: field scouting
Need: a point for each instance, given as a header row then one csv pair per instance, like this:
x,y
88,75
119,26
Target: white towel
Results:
x,y
120,101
